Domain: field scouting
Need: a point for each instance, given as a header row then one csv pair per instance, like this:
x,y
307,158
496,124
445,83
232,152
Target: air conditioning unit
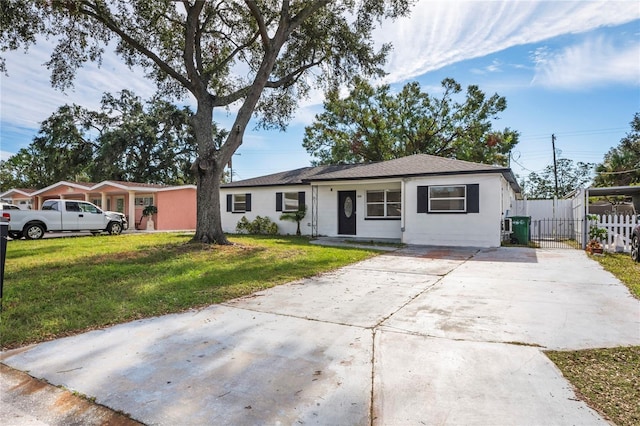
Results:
x,y
506,225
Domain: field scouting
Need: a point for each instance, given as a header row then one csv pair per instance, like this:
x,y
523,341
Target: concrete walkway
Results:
x,y
422,335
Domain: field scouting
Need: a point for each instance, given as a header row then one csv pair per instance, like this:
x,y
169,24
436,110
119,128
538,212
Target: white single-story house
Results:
x,y
419,199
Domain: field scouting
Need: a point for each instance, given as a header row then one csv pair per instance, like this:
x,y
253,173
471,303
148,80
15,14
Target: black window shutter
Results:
x,y
301,200
473,198
278,201
423,199
248,203
229,202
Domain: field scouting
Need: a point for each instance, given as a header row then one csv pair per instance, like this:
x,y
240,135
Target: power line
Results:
x,y
618,173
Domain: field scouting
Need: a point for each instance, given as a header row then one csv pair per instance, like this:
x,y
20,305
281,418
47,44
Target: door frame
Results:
x,y
347,225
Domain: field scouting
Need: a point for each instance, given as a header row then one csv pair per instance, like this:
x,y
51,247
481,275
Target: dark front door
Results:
x,y
347,212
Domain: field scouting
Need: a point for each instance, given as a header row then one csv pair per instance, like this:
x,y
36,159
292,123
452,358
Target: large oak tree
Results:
x,y
255,56
374,124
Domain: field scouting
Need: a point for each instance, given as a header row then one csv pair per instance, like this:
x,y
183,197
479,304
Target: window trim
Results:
x,y
296,196
280,201
385,203
234,202
463,198
231,203
473,199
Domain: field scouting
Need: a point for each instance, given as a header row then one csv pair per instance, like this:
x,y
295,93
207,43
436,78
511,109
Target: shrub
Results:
x,y
243,226
259,226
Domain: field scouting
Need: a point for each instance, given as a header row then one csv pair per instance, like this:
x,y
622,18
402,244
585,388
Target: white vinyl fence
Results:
x,y
620,226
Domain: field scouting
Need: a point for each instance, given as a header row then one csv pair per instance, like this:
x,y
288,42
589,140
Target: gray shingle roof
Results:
x,y
413,165
291,177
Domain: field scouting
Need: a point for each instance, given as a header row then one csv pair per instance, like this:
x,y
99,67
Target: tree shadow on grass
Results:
x,y
47,301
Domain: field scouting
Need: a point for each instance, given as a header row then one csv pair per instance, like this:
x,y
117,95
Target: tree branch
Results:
x,y
262,28
108,22
189,57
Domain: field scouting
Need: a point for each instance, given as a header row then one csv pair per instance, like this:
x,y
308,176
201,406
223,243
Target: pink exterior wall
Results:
x,y
176,209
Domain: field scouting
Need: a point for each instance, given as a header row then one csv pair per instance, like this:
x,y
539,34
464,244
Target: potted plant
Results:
x,y
148,212
596,235
296,216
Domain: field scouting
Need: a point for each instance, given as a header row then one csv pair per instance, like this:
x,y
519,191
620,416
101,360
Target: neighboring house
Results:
x,y
420,199
21,197
176,204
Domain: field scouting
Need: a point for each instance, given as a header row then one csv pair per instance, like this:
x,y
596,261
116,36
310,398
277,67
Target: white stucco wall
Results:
x,y
472,229
481,229
263,203
365,227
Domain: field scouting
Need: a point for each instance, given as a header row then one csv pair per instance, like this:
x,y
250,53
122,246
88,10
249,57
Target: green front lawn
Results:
x,y
56,287
627,271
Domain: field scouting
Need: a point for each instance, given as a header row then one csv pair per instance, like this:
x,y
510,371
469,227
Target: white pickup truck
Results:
x,y
63,215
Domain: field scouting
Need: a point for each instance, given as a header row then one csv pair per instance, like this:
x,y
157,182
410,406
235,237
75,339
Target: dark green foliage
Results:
x,y
296,216
373,124
621,165
126,140
259,226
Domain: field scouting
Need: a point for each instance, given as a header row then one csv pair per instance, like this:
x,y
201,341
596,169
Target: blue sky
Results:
x,y
567,68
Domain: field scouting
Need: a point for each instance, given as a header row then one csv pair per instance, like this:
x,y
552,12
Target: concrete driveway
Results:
x,y
423,335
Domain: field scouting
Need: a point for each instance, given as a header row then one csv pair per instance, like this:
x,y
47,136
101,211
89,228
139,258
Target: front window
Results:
x,y
290,200
239,202
448,198
144,201
384,203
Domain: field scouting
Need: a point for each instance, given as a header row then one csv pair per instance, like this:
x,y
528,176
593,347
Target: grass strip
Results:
x,y
606,378
625,269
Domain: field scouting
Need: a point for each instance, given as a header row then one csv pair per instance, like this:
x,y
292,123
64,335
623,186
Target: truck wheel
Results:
x,y
16,235
33,231
114,228
635,248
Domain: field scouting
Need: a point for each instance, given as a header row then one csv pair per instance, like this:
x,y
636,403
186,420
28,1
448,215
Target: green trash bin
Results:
x,y
520,229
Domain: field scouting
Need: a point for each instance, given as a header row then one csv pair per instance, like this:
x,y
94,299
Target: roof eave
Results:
x,y
409,175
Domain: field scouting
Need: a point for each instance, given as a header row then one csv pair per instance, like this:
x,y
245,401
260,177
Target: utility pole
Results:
x,y
555,165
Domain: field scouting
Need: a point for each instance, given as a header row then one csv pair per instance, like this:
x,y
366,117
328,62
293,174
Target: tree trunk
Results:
x,y
208,167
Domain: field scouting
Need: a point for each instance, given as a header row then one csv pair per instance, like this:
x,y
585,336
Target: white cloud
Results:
x,y
595,62
4,155
27,95
440,33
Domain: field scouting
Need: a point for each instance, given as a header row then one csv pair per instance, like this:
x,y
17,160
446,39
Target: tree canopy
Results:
x,y
261,56
127,139
570,176
621,164
372,124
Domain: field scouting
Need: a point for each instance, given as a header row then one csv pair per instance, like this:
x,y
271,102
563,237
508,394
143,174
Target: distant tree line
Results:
x,y
620,167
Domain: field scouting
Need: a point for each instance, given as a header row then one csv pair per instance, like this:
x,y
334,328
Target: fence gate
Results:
x,y
557,233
